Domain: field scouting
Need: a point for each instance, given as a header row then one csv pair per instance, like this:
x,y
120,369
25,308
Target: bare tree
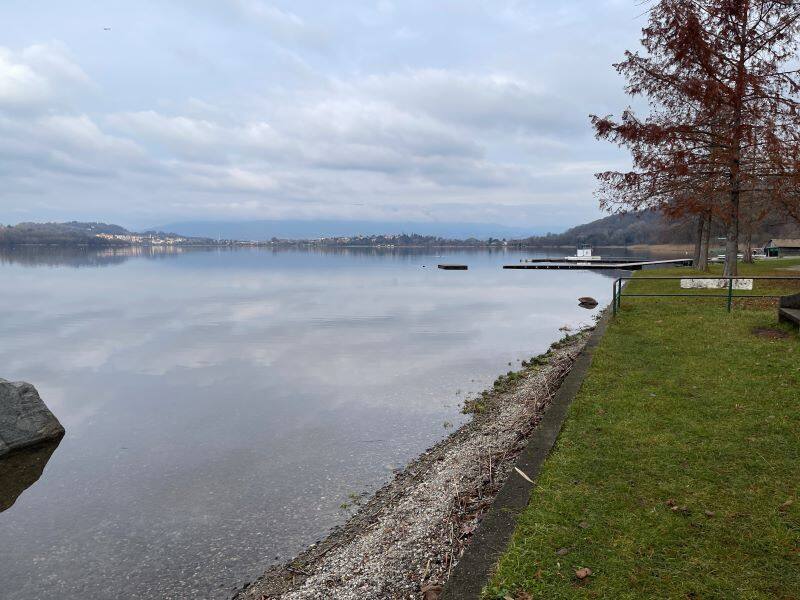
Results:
x,y
724,119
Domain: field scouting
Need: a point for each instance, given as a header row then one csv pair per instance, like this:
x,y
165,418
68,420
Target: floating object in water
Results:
x,y
587,302
453,267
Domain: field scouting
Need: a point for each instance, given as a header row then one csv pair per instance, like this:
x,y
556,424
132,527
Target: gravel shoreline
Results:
x,y
404,542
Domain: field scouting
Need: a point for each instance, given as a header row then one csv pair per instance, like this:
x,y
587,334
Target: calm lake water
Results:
x,y
221,405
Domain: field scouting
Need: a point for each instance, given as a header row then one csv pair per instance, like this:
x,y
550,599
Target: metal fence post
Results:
x,y
614,299
730,293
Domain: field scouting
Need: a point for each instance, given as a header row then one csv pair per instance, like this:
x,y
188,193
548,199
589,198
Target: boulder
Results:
x,y
24,418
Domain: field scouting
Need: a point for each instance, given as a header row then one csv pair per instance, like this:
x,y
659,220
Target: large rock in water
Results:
x,y
24,418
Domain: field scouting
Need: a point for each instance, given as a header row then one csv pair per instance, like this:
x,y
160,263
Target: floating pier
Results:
x,y
594,259
626,266
453,267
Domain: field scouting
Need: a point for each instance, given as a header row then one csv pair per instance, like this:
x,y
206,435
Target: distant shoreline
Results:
x,y
666,248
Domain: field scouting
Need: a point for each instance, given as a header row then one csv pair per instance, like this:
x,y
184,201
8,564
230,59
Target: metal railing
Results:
x,y
619,284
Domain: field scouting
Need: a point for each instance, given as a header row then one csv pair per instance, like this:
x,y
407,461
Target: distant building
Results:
x,y
782,247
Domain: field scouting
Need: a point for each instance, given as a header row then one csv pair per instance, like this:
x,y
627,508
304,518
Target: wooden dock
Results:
x,y
628,266
611,259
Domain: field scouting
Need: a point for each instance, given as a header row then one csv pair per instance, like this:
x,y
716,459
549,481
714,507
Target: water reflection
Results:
x,y
81,256
21,469
221,405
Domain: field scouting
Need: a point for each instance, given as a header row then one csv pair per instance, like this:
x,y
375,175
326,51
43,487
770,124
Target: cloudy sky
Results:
x,y
443,110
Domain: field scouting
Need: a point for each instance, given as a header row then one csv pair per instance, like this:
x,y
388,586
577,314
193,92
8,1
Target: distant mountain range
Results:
x,y
308,230
614,230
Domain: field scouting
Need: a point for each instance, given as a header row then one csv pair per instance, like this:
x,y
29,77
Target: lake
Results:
x,y
222,405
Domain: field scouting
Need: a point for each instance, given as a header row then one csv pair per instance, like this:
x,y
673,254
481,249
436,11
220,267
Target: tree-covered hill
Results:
x,y
58,233
77,233
651,228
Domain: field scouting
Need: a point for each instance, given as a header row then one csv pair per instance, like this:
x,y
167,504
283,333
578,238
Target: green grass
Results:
x,y
677,472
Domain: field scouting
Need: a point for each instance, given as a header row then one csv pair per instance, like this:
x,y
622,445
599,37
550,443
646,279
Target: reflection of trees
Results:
x,y
21,469
77,256
82,256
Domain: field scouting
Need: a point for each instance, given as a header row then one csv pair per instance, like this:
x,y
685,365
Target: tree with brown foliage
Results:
x,y
722,84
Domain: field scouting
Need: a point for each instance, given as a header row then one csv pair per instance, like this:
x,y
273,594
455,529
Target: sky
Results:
x,y
146,112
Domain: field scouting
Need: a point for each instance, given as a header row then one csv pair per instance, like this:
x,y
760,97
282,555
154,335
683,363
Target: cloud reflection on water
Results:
x,y
218,403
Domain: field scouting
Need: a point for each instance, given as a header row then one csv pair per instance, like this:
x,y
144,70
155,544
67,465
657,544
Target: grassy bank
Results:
x,y
677,472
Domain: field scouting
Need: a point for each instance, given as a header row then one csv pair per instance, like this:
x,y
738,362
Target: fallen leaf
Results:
x,y
710,513
671,502
786,505
583,573
583,525
525,477
562,551
468,528
431,592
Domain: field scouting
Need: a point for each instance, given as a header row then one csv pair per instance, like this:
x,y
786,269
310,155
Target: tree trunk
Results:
x,y
732,236
698,242
702,264
748,255
732,241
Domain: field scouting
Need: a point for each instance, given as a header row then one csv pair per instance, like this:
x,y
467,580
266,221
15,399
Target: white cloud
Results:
x,y
191,137
20,85
53,59
37,76
284,26
82,134
274,16
224,179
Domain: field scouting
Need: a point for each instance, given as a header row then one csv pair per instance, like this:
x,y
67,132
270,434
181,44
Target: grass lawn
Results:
x,y
677,472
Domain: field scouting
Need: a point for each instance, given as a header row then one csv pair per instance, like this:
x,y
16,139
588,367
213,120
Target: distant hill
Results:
x,y
72,233
308,230
649,228
620,230
57,233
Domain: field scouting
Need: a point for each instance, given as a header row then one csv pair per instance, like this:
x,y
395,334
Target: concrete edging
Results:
x,y
491,539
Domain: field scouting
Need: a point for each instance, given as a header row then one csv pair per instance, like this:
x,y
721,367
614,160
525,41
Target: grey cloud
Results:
x,y
493,101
